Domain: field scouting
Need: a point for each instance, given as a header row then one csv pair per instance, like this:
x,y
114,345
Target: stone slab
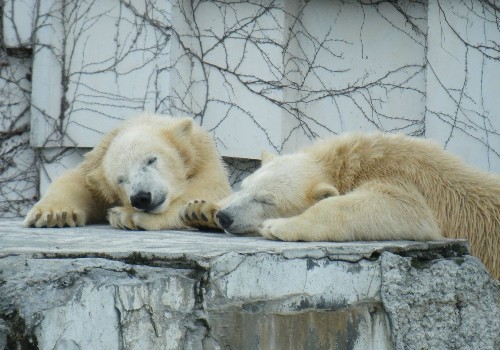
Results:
x,y
100,288
199,247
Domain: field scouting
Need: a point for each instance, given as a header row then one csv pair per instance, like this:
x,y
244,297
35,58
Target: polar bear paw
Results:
x,y
120,217
200,214
128,219
43,216
278,229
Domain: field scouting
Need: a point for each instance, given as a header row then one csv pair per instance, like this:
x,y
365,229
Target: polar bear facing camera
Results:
x,y
139,176
367,187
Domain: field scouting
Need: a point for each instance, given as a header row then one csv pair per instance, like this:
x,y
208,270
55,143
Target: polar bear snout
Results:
x,y
145,201
225,220
141,200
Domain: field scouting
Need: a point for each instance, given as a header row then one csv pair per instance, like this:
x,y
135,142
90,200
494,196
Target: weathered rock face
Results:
x,y
441,303
99,288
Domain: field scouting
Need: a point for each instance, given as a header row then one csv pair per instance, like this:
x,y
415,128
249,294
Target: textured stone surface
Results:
x,y
99,288
440,304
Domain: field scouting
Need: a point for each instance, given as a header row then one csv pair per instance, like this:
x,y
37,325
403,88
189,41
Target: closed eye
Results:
x,y
267,200
151,160
120,180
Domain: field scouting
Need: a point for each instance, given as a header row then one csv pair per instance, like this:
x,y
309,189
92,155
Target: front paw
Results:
x,y
45,216
277,229
122,217
129,219
200,214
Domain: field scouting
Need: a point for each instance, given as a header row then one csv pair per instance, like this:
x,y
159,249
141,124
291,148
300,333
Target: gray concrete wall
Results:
x,y
99,288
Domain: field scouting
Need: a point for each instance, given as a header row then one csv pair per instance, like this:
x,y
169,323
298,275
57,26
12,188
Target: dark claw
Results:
x,y
194,217
203,217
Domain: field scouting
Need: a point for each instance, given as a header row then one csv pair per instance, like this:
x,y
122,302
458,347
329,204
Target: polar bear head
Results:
x,y
283,187
145,164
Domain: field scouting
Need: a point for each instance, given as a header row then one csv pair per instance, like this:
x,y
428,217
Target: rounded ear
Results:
x,y
183,127
266,157
324,190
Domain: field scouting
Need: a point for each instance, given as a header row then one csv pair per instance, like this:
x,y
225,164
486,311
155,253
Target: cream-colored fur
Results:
x,y
369,187
172,160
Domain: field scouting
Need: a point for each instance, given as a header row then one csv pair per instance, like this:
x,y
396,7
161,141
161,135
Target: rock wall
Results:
x,y
98,288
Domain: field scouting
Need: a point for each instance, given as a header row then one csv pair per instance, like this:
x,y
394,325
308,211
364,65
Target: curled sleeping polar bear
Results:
x,y
139,176
364,187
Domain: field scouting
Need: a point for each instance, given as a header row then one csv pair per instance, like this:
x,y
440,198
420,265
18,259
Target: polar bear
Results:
x,y
140,175
365,187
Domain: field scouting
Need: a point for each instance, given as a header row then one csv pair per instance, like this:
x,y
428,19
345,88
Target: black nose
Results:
x,y
224,219
141,200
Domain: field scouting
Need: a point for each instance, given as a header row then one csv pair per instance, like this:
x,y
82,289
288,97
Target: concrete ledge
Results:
x,y
99,288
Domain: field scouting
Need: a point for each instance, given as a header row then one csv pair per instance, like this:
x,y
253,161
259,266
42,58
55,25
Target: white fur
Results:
x,y
185,165
280,188
134,171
